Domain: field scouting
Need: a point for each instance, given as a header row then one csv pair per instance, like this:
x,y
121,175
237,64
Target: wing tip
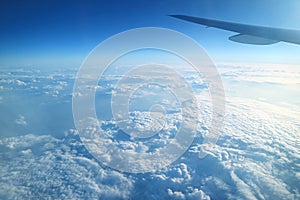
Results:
x,y
176,16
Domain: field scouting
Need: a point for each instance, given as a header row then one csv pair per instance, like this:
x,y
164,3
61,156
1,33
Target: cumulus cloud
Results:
x,y
256,156
46,167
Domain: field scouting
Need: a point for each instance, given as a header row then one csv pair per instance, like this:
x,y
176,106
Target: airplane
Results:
x,y
249,34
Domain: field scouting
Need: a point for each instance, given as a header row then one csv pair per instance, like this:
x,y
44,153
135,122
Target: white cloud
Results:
x,y
261,74
43,166
256,157
21,120
20,83
176,194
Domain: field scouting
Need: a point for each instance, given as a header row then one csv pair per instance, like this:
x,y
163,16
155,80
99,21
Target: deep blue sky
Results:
x,y
62,33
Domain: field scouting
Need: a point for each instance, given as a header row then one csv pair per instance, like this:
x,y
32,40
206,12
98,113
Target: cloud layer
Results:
x,y
256,157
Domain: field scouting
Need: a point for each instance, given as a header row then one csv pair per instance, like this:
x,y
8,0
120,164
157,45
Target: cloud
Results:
x,y
21,120
35,166
259,74
256,157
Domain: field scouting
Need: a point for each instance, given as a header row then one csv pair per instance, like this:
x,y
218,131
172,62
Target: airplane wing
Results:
x,y
249,34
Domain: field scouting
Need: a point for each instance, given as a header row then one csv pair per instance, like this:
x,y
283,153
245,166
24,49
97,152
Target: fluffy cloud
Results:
x,y
256,156
45,167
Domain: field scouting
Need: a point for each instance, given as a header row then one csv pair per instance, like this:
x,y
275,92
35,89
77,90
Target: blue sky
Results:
x,y
62,33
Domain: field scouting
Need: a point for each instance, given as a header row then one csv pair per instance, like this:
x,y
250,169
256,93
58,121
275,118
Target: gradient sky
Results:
x,y
62,33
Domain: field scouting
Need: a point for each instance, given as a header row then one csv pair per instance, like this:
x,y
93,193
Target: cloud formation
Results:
x,y
256,156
